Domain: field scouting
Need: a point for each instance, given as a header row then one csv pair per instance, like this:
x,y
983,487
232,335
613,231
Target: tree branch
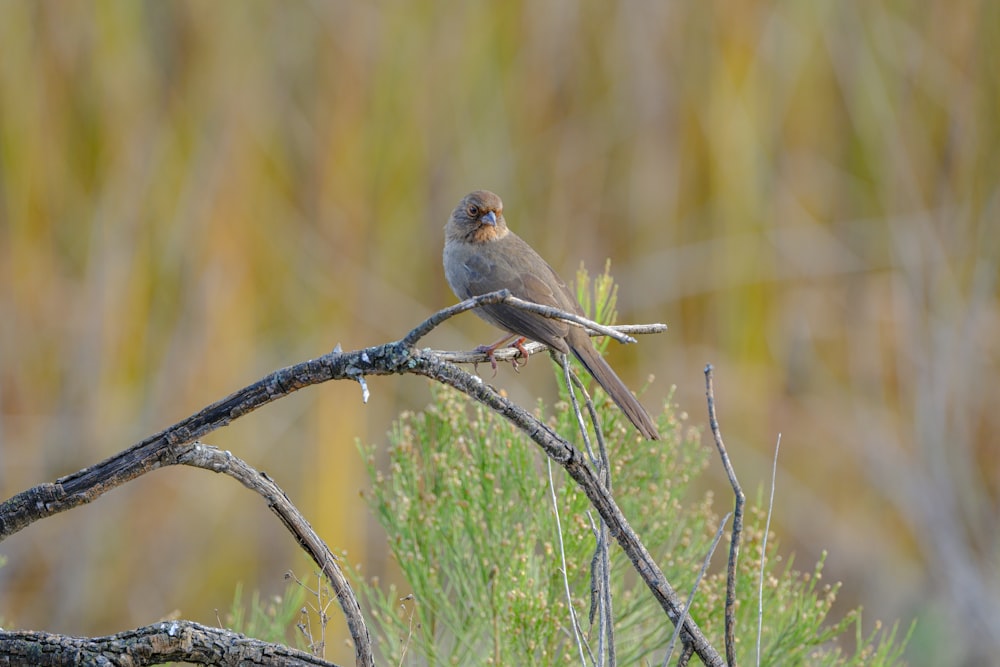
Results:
x,y
155,644
399,357
200,455
533,347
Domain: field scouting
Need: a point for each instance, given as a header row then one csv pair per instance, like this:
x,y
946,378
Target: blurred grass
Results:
x,y
192,194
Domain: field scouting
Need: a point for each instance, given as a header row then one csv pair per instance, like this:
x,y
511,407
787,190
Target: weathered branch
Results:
x,y
504,296
398,357
156,644
508,353
200,455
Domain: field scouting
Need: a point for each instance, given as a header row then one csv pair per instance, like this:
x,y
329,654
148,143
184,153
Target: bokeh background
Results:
x,y
808,193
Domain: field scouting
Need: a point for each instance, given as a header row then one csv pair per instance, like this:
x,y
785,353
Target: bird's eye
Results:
x,y
473,211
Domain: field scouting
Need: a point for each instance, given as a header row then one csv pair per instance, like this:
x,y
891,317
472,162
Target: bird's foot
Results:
x,y
523,354
489,351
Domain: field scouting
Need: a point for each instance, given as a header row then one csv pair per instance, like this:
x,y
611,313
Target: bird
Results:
x,y
481,255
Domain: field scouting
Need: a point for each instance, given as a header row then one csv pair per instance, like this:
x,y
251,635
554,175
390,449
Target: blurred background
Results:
x,y
195,194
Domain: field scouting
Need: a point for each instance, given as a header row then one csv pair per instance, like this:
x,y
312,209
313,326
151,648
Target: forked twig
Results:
x,y
697,582
740,501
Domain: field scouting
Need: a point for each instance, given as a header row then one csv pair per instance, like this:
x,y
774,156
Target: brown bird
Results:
x,y
481,255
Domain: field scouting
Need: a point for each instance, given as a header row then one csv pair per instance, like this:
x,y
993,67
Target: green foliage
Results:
x,y
470,522
599,301
481,520
269,620
468,512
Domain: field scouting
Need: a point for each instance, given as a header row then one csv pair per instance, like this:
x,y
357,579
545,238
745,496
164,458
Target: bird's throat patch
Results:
x,y
484,233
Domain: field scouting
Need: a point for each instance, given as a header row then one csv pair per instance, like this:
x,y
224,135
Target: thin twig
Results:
x,y
763,547
437,318
697,582
600,567
320,608
534,347
200,455
600,592
562,566
568,374
572,318
409,629
740,500
504,296
600,459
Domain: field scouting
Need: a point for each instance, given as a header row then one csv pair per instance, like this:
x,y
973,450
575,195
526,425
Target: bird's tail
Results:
x,y
615,388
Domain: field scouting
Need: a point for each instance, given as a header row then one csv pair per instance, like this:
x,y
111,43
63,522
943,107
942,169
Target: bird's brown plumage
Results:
x,y
482,255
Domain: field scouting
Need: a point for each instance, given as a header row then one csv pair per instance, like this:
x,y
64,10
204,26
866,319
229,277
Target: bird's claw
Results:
x,y
523,354
489,351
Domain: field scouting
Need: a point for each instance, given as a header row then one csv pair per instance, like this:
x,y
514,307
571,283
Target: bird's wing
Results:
x,y
517,267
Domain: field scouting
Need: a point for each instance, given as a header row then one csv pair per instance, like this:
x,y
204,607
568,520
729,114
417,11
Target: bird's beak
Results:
x,y
489,218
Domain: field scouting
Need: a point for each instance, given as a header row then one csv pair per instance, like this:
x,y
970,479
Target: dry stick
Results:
x,y
320,608
563,360
409,629
556,314
166,641
600,588
200,455
504,296
534,347
578,632
397,357
602,556
763,547
697,582
734,547
599,461
570,379
600,566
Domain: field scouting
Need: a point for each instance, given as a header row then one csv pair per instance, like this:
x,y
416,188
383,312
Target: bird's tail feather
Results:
x,y
615,388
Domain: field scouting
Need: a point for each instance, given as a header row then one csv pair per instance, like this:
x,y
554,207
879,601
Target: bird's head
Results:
x,y
478,218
